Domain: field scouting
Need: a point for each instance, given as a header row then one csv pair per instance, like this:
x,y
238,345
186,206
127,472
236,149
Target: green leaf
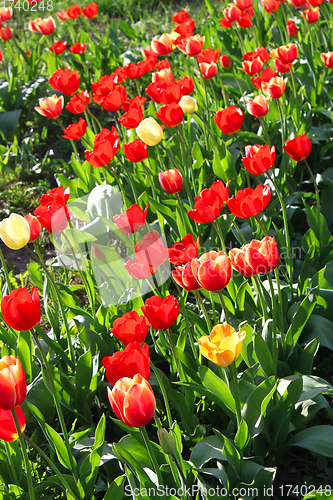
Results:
x,y
83,374
301,317
242,436
116,489
232,455
127,30
206,449
318,224
306,270
318,326
263,354
318,439
255,407
215,385
59,446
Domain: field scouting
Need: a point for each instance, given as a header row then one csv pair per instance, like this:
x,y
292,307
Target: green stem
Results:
x,y
150,180
213,308
188,157
257,286
120,185
180,213
51,464
25,457
202,305
279,28
224,307
5,269
55,288
151,454
235,226
172,351
234,381
182,476
11,463
164,394
57,404
274,347
316,191
264,126
220,236
189,331
129,178
286,230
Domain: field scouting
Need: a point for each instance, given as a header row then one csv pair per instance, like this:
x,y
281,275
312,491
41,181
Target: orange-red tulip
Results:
x,y
275,87
258,106
249,202
51,107
161,313
130,327
212,270
298,148
133,401
258,159
13,384
90,11
327,59
229,120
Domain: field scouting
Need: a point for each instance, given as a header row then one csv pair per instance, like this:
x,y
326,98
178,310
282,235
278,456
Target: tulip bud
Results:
x,y
167,442
99,254
188,104
15,231
171,181
150,132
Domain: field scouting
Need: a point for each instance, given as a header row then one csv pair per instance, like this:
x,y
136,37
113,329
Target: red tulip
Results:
x,y
106,146
180,17
298,148
130,327
74,11
132,117
225,61
281,67
58,47
161,313
184,251
252,67
243,4
133,401
238,262
311,15
75,131
132,219
44,26
271,6
286,53
208,70
292,28
68,82
8,430
20,309
90,11
151,250
78,48
265,76
207,207
192,46
262,256
275,87
229,120
245,20
186,85
327,59
62,15
136,151
212,270
258,106
232,13
57,195
6,33
114,100
171,181
171,114
5,13
78,103
259,53
51,107
54,217
138,270
208,56
13,384
183,275
163,45
249,202
34,225
134,359
258,159
184,29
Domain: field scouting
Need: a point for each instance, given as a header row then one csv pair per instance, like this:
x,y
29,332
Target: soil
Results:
x,y
17,260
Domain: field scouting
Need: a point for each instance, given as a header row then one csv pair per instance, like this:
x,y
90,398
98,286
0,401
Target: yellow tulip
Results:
x,y
188,104
150,131
223,345
15,231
